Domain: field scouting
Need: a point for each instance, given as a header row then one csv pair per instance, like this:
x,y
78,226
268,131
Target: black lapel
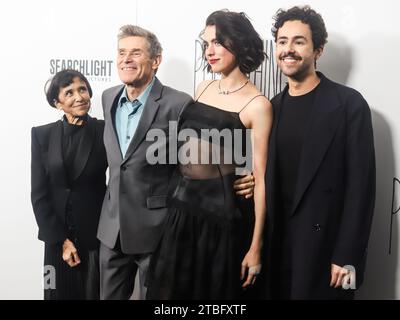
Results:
x,y
272,168
56,161
277,107
325,118
149,112
84,148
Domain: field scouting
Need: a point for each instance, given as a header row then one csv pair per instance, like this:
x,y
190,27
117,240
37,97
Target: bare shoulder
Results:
x,y
257,112
260,105
202,86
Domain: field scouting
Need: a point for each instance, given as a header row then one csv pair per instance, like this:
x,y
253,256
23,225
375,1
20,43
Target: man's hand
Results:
x,y
244,186
70,254
338,275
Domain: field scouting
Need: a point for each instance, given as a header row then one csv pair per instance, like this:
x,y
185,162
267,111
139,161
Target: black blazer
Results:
x,y
335,191
52,195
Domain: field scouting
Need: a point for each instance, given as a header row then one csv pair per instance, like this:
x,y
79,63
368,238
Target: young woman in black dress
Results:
x,y
202,253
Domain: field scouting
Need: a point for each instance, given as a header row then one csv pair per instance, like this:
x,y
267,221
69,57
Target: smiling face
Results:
x,y
219,58
295,51
74,100
135,66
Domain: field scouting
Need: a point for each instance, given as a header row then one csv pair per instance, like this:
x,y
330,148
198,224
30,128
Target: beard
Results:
x,y
298,72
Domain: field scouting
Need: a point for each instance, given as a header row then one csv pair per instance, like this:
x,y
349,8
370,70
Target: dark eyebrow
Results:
x,y
212,40
295,37
65,90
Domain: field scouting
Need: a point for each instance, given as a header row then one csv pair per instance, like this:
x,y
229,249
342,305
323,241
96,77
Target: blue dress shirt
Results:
x,y
127,116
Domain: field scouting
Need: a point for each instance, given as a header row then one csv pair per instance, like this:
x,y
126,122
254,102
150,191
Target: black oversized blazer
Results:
x,y
52,193
335,192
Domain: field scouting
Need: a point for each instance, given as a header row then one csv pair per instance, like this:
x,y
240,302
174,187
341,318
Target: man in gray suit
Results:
x,y
135,203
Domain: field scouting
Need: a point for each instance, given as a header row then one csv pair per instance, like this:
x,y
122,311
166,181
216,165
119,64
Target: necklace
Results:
x,y
225,92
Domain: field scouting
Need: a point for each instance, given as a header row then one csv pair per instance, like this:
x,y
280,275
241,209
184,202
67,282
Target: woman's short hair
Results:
x,y
235,32
61,80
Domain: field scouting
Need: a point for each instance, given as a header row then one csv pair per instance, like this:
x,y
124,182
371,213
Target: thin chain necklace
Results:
x,y
225,92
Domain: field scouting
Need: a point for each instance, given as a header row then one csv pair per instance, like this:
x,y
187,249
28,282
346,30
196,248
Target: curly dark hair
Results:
x,y
61,80
306,15
236,33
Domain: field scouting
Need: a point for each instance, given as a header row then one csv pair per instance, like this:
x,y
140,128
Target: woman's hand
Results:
x,y
70,254
251,265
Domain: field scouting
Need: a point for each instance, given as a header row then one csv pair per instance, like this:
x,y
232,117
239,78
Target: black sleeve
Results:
x,y
359,193
51,228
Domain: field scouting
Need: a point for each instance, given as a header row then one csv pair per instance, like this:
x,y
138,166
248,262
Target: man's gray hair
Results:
x,y
129,30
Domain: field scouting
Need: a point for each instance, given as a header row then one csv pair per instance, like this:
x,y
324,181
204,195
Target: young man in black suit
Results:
x,y
320,172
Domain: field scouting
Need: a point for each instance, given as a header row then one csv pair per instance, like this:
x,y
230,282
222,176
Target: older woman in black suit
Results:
x,y
68,186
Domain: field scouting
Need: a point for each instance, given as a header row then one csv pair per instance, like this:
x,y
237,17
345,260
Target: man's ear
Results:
x,y
156,62
318,53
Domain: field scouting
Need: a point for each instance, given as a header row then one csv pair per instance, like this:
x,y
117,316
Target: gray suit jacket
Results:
x,y
135,203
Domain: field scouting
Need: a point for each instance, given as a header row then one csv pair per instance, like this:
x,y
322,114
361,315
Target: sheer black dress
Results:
x,y
208,229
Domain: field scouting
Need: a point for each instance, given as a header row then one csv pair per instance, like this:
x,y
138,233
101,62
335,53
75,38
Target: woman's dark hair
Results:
x,y
306,15
61,80
235,32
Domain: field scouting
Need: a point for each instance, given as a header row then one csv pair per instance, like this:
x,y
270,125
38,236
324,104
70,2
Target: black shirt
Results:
x,y
292,126
72,136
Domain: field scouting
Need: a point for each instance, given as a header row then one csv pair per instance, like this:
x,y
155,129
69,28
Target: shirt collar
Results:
x,y
142,98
